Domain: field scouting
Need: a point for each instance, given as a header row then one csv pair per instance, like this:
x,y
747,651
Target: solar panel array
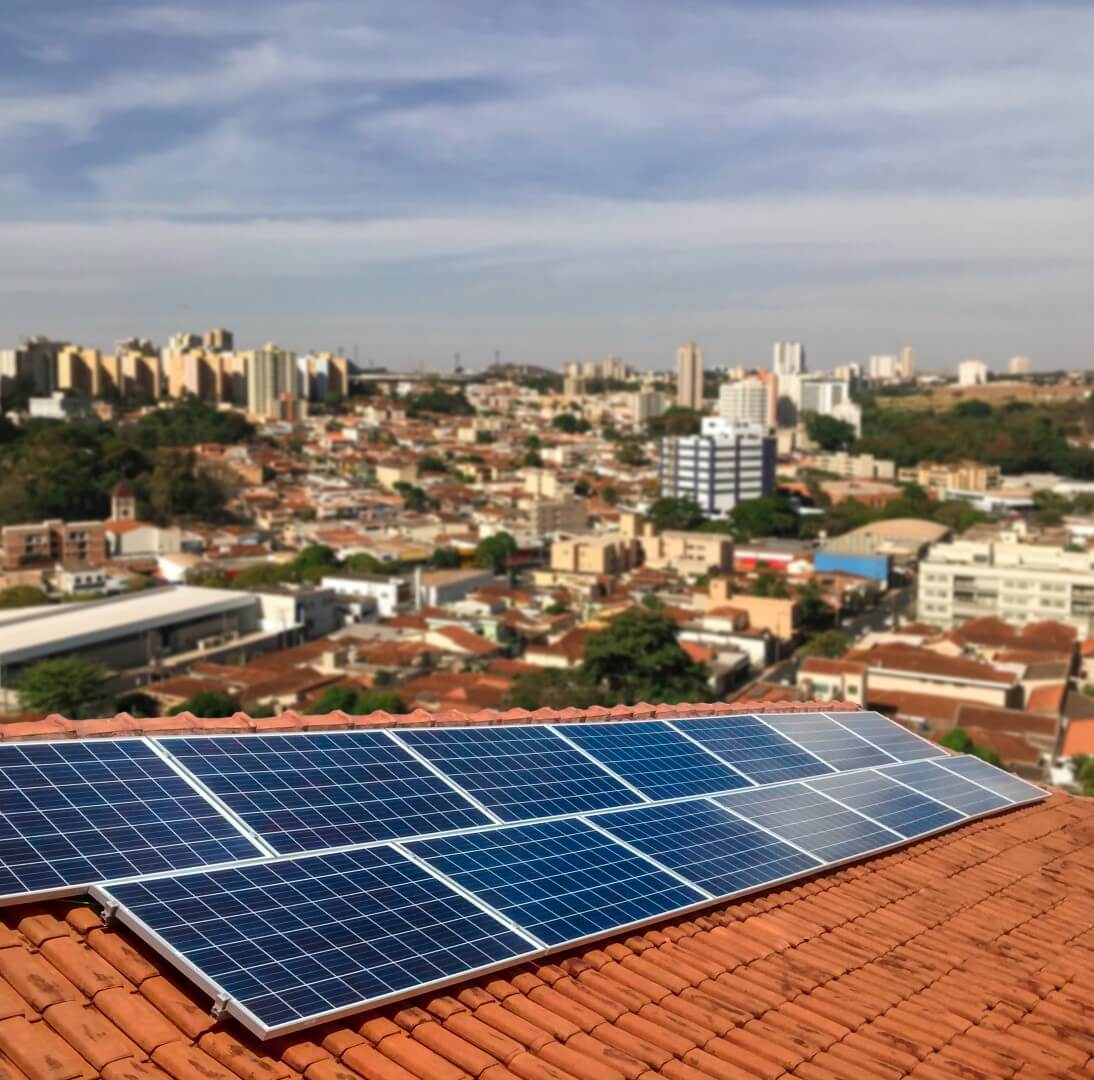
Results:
x,y
299,876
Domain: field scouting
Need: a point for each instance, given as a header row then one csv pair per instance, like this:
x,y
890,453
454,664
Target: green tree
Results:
x,y
637,657
768,583
365,563
68,685
445,558
1082,771
430,463
313,562
262,575
552,689
610,495
671,513
556,608
630,453
531,460
437,400
358,702
676,420
583,488
495,551
770,515
17,596
828,432
828,643
209,704
484,438
570,424
138,704
958,739
815,611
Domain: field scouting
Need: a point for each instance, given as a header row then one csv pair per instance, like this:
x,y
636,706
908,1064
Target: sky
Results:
x,y
553,181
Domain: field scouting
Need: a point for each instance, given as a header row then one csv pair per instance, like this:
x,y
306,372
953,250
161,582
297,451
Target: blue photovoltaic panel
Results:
x,y
707,845
945,786
752,747
1002,783
519,772
73,813
658,761
293,939
808,819
894,806
890,737
559,880
306,792
831,743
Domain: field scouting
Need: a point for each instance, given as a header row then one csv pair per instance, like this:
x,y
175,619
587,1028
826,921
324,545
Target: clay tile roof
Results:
x,y
1012,749
1013,721
1079,738
965,955
1047,699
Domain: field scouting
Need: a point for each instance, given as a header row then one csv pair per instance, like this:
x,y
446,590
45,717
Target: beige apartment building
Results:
x,y
856,466
547,516
689,553
964,476
780,617
1017,583
689,376
609,553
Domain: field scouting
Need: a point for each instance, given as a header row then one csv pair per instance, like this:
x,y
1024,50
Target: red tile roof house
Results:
x,y
968,954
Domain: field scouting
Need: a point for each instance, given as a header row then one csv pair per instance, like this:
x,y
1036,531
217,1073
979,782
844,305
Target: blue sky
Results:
x,y
553,180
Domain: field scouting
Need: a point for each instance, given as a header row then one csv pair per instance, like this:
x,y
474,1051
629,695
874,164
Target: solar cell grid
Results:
x,y
520,772
808,819
893,805
888,736
294,939
825,738
707,845
749,745
561,880
947,787
658,761
1002,783
307,792
78,812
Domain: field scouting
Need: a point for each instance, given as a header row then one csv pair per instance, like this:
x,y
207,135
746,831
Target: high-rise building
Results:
x,y
883,366
972,373
1018,365
788,358
274,385
33,365
747,400
906,366
727,463
219,340
689,376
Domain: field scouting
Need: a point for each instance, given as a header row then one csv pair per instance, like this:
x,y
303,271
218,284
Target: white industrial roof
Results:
x,y
46,631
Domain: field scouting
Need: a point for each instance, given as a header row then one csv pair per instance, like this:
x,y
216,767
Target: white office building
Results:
x,y
884,366
1018,365
727,463
748,400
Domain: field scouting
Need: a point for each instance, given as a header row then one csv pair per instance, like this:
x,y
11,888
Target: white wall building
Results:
x,y
391,594
725,464
822,396
1018,583
883,366
748,400
1018,365
272,373
788,358
972,373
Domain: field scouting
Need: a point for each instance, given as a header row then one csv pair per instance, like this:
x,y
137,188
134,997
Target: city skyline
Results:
x,y
555,185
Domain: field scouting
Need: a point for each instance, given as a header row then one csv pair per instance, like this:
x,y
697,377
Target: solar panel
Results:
x,y
520,772
946,787
806,818
707,845
291,940
836,745
307,792
752,747
655,759
1002,783
893,805
560,880
888,736
72,813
